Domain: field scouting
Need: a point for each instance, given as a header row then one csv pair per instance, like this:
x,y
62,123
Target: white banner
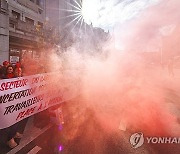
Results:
x,y
26,96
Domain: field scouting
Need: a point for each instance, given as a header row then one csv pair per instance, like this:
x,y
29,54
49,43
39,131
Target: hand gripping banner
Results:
x,y
26,96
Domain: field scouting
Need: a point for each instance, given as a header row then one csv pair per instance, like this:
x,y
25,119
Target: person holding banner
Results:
x,y
18,72
13,130
4,68
9,72
1,72
13,134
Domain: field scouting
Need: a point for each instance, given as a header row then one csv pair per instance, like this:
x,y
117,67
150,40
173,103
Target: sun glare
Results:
x,y
104,13
90,11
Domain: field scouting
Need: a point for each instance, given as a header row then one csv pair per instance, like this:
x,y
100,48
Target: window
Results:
x,y
29,21
3,5
41,24
40,11
16,15
12,25
39,2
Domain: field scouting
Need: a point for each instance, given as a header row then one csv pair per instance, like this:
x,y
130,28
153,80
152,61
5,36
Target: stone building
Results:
x,y
4,31
24,29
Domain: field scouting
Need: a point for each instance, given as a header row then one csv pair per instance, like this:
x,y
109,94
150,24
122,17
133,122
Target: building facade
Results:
x,y
26,22
24,29
29,27
4,31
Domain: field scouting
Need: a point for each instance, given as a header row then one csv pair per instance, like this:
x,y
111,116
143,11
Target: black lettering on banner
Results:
x,y
22,94
8,109
29,102
3,98
11,97
17,95
24,104
17,107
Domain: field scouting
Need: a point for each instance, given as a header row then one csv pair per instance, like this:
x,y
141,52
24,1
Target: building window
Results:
x,y
16,15
39,2
40,24
3,5
40,11
12,25
29,21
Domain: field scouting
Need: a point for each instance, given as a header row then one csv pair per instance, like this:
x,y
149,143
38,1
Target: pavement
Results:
x,y
30,133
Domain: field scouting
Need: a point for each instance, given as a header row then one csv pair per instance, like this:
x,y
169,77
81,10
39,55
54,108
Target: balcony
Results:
x,y
25,30
23,26
29,4
3,6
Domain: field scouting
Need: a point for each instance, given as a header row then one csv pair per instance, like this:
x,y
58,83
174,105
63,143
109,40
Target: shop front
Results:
x,y
20,49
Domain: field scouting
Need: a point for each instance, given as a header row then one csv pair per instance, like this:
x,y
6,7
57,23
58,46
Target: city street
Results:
x,y
89,77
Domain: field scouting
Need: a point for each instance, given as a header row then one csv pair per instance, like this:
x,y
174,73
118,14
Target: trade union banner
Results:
x,y
26,96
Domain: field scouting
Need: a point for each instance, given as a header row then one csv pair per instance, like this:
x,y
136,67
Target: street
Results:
x,y
89,77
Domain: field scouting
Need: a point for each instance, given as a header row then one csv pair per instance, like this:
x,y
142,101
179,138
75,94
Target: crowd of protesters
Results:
x,y
8,70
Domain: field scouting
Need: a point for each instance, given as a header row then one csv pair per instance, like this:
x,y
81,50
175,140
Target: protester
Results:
x,y
9,72
18,64
3,69
13,133
5,63
13,130
18,72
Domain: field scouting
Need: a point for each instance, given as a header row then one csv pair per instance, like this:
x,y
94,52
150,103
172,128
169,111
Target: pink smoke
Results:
x,y
123,90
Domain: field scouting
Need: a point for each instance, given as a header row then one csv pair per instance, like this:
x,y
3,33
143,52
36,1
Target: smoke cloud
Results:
x,y
122,91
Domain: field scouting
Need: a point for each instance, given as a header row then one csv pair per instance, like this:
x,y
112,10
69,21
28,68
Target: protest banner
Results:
x,y
25,96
